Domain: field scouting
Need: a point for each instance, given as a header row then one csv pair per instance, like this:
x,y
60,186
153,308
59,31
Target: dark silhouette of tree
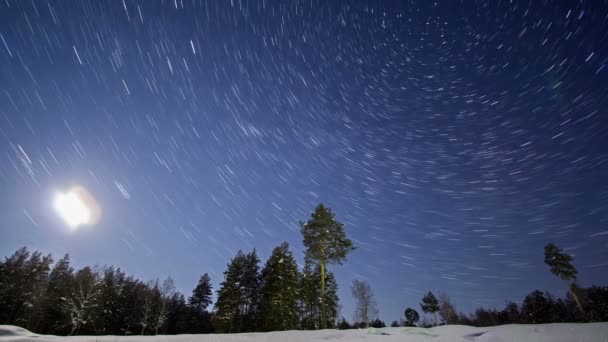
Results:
x,y
55,320
238,296
279,291
326,243
561,266
411,317
201,295
536,308
430,304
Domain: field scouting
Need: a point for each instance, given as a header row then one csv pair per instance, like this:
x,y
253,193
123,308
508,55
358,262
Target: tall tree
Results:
x,y
56,320
108,312
198,316
411,317
201,295
167,290
23,277
81,303
430,304
561,266
311,298
326,243
151,306
279,291
238,296
365,303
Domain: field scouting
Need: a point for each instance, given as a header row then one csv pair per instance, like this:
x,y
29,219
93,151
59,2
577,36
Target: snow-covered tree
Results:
x,y
167,290
81,302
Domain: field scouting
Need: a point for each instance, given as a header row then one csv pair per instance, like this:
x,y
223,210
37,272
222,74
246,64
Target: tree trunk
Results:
x,y
578,302
435,314
323,319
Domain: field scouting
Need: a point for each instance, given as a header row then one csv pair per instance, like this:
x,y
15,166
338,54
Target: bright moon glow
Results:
x,y
72,209
77,207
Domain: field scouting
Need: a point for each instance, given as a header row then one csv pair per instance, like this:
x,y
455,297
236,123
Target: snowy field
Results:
x,y
590,332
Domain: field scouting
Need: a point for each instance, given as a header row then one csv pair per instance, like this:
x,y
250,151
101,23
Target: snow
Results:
x,y
563,332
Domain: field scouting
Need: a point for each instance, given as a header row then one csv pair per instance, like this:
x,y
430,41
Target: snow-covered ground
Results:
x,y
591,332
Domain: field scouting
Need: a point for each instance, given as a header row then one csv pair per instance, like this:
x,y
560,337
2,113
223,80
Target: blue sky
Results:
x,y
453,140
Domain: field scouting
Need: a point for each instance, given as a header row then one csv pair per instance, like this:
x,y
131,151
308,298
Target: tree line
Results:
x,y
578,305
49,298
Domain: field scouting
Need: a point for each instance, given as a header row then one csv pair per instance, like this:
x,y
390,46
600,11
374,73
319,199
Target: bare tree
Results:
x,y
151,306
447,312
366,309
166,293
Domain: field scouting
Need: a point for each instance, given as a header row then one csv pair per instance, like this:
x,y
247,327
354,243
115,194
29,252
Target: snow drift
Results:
x,y
563,332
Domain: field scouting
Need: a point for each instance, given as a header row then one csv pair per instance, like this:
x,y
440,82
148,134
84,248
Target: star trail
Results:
x,y
453,139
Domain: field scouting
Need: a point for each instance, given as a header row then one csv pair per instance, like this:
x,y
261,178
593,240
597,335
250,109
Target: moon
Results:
x,y
77,207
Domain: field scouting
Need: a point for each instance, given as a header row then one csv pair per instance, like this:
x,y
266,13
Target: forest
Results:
x,y
49,297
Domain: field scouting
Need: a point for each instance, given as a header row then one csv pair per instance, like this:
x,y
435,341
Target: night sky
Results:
x,y
454,140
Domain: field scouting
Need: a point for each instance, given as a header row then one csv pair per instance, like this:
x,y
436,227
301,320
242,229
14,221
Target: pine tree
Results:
x,y
37,271
201,295
311,299
132,300
177,315
108,316
561,266
536,308
24,279
238,296
56,320
199,319
326,243
279,292
430,304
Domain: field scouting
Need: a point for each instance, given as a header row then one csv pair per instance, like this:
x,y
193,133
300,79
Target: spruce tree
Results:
x,y
238,297
201,295
177,315
198,316
561,266
430,304
108,316
279,292
24,279
326,243
56,320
